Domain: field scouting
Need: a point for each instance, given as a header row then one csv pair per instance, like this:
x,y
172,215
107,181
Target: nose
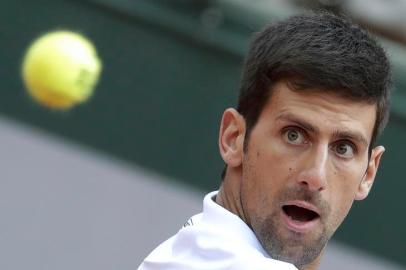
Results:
x,y
313,175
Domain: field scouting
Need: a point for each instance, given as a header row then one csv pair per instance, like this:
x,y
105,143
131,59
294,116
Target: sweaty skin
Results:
x,y
308,151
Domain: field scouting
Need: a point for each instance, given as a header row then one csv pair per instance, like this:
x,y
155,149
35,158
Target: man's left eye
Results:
x,y
344,149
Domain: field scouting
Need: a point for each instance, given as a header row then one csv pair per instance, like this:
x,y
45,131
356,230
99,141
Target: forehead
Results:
x,y
324,109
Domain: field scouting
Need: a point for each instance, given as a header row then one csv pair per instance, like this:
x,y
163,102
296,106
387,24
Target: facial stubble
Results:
x,y
289,246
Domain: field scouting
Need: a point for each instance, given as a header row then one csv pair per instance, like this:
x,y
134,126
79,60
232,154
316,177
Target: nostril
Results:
x,y
314,185
304,183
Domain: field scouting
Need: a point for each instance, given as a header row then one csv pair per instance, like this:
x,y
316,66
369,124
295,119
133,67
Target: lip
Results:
x,y
301,226
305,205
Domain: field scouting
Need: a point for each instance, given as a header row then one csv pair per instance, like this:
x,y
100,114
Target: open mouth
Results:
x,y
299,214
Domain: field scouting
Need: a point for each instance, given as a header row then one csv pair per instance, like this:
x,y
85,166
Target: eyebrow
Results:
x,y
295,119
341,134
351,135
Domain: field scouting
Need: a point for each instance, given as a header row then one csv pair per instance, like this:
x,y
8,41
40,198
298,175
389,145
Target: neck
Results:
x,y
229,195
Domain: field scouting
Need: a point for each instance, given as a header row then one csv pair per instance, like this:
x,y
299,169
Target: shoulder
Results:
x,y
217,262
200,247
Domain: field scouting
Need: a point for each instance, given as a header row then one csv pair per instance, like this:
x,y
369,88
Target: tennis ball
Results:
x,y
60,69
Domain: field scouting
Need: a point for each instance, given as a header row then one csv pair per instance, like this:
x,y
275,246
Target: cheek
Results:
x,y
339,212
277,159
345,179
271,168
265,172
253,180
342,187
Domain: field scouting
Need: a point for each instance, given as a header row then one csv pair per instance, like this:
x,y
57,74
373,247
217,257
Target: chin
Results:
x,y
296,248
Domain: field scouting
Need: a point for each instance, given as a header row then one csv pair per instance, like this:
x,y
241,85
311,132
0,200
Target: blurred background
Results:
x,y
99,186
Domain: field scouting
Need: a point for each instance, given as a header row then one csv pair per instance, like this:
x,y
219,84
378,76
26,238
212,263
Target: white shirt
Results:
x,y
212,240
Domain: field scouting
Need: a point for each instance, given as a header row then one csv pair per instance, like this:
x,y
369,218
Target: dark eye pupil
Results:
x,y
342,148
292,135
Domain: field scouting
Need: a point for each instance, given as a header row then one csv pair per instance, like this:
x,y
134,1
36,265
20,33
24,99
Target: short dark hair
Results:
x,y
315,51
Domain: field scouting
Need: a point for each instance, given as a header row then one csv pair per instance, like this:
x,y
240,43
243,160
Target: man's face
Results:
x,y
305,163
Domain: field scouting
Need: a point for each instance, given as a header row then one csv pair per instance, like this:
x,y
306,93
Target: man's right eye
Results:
x,y
294,136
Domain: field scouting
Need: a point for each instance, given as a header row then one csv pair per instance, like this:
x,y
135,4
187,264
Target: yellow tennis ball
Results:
x,y
60,69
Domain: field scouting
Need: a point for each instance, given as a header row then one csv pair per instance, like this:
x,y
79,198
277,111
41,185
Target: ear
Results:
x,y
369,177
231,137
